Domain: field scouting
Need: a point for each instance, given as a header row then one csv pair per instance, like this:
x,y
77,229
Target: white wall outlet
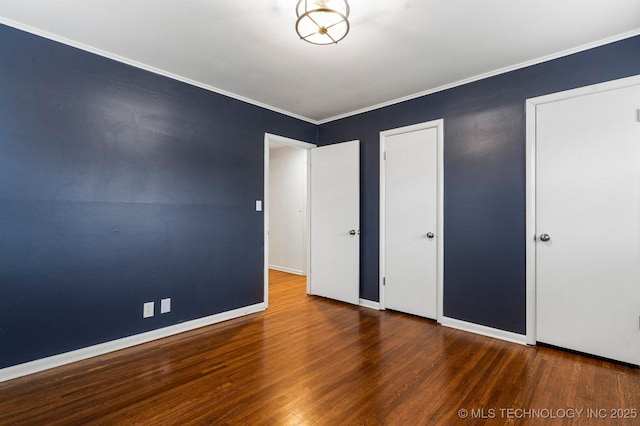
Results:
x,y
258,205
147,311
165,305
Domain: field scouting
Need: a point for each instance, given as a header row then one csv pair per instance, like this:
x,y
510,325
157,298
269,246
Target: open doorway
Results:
x,y
287,208
286,234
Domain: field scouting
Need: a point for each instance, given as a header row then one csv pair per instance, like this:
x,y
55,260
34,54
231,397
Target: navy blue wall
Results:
x,y
117,187
484,172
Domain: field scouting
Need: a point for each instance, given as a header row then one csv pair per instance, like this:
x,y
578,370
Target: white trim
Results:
x,y
126,342
287,270
493,73
439,125
265,219
307,223
620,83
531,105
484,330
440,232
149,68
268,139
420,94
369,304
288,141
382,217
530,226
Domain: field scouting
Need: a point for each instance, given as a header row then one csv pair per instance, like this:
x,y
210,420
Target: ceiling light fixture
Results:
x,y
322,21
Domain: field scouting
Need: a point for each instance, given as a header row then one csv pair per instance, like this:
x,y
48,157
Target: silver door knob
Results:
x,y
430,235
545,237
352,232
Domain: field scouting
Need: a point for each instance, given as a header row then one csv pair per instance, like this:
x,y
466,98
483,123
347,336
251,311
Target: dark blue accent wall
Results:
x,y
484,177
117,187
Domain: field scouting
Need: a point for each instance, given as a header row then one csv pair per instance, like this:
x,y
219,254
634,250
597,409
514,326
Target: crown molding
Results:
x,y
486,75
146,67
213,89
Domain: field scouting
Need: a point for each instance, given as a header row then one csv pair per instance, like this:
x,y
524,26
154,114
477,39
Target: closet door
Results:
x,y
588,223
411,231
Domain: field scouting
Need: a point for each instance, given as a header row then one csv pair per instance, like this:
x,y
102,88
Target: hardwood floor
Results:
x,y
312,361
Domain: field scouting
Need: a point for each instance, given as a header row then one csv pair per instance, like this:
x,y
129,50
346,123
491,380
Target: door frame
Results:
x,y
530,236
268,139
439,126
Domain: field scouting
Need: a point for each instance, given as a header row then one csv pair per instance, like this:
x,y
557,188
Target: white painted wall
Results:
x,y
287,200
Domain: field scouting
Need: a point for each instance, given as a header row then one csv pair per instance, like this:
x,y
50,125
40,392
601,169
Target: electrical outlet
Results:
x,y
147,311
165,305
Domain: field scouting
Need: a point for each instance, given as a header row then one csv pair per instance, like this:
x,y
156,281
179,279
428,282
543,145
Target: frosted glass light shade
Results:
x,y
322,21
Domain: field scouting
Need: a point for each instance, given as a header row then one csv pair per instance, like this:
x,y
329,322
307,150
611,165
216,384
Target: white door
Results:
x,y
588,223
411,231
335,221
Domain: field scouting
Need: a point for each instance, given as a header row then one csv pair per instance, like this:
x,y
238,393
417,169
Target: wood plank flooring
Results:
x,y
312,361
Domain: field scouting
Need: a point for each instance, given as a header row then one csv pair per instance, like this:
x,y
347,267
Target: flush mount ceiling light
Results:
x,y
322,21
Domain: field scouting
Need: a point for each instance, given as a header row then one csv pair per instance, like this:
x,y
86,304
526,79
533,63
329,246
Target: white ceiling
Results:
x,y
396,49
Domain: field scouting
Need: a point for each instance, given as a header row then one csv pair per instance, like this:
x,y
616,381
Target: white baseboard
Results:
x,y
288,270
126,342
485,331
370,304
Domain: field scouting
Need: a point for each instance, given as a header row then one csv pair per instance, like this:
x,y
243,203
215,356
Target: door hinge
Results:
x,y
384,155
384,280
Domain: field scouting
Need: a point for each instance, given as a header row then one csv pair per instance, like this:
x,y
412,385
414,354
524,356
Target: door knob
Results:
x,y
352,232
545,237
430,235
